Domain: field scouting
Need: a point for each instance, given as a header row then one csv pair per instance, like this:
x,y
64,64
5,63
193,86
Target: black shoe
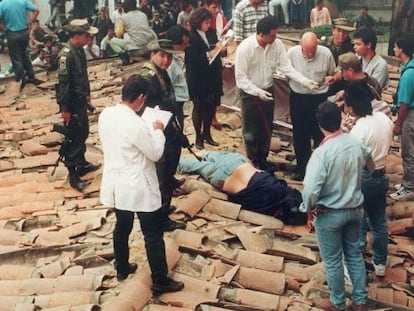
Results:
x,y
178,182
76,183
178,192
86,168
131,269
171,209
168,286
298,176
199,143
210,141
34,81
171,225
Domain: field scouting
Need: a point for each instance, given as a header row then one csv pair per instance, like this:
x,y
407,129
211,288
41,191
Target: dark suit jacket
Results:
x,y
204,81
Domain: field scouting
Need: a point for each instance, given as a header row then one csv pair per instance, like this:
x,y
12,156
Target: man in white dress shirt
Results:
x,y
130,183
257,59
314,62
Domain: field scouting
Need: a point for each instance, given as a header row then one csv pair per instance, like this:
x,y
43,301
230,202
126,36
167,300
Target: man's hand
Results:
x,y
265,95
66,117
311,85
309,222
158,125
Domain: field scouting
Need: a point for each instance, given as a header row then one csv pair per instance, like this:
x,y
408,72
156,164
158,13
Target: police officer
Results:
x,y
161,93
340,42
73,97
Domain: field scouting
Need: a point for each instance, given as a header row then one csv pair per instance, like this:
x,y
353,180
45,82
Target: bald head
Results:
x,y
309,43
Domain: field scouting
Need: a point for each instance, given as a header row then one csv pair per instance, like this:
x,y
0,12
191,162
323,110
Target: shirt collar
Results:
x,y
330,136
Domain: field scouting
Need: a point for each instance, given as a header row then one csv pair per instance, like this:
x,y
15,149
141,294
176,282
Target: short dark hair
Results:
x,y
129,5
367,35
210,2
176,33
406,43
364,7
198,17
358,95
267,24
134,86
329,116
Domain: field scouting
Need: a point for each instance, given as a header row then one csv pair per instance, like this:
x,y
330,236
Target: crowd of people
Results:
x,y
342,131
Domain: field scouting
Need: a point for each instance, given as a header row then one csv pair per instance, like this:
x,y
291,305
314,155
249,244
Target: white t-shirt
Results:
x,y
376,132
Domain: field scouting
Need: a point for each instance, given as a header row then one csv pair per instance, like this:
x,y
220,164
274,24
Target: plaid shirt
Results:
x,y
245,18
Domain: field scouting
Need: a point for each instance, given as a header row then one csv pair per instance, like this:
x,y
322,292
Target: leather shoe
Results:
x,y
298,176
34,81
131,269
359,307
86,168
167,287
171,225
324,304
177,192
77,183
199,144
210,141
178,182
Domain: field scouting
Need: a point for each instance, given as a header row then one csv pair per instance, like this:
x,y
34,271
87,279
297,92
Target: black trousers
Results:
x,y
166,168
17,43
78,128
154,243
303,109
257,119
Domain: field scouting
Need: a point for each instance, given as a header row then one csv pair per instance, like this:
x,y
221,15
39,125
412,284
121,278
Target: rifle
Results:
x,y
182,138
69,145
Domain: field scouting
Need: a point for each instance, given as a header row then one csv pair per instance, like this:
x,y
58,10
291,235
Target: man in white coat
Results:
x,y
130,184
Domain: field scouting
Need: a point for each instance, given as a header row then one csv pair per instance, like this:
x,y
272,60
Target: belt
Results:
x,y
378,173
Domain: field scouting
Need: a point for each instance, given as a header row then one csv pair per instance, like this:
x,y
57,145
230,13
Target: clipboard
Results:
x,y
152,114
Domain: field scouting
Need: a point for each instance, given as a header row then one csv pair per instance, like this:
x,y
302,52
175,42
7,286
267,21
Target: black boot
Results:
x,y
74,180
199,142
125,58
86,167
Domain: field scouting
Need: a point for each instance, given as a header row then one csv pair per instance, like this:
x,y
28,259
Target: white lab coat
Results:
x,y
130,148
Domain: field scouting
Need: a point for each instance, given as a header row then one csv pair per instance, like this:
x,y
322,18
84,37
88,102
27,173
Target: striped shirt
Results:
x,y
245,18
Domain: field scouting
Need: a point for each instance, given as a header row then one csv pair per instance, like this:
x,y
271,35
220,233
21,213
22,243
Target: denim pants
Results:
x,y
375,189
17,43
154,243
407,150
337,232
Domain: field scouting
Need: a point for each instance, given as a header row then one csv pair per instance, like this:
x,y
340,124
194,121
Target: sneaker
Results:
x,y
402,194
379,269
397,187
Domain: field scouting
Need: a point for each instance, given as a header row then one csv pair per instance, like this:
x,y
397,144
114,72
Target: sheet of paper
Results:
x,y
151,114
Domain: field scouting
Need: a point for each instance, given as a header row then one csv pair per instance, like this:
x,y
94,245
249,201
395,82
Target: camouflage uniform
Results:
x,y
338,50
161,93
72,92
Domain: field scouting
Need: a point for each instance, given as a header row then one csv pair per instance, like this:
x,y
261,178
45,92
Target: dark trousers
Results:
x,y
180,113
203,114
17,43
257,118
166,168
154,243
303,108
78,128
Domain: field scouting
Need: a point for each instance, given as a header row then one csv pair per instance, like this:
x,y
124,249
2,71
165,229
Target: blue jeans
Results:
x,y
375,189
337,232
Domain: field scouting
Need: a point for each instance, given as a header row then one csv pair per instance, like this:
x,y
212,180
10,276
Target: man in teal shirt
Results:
x,y
13,15
404,126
